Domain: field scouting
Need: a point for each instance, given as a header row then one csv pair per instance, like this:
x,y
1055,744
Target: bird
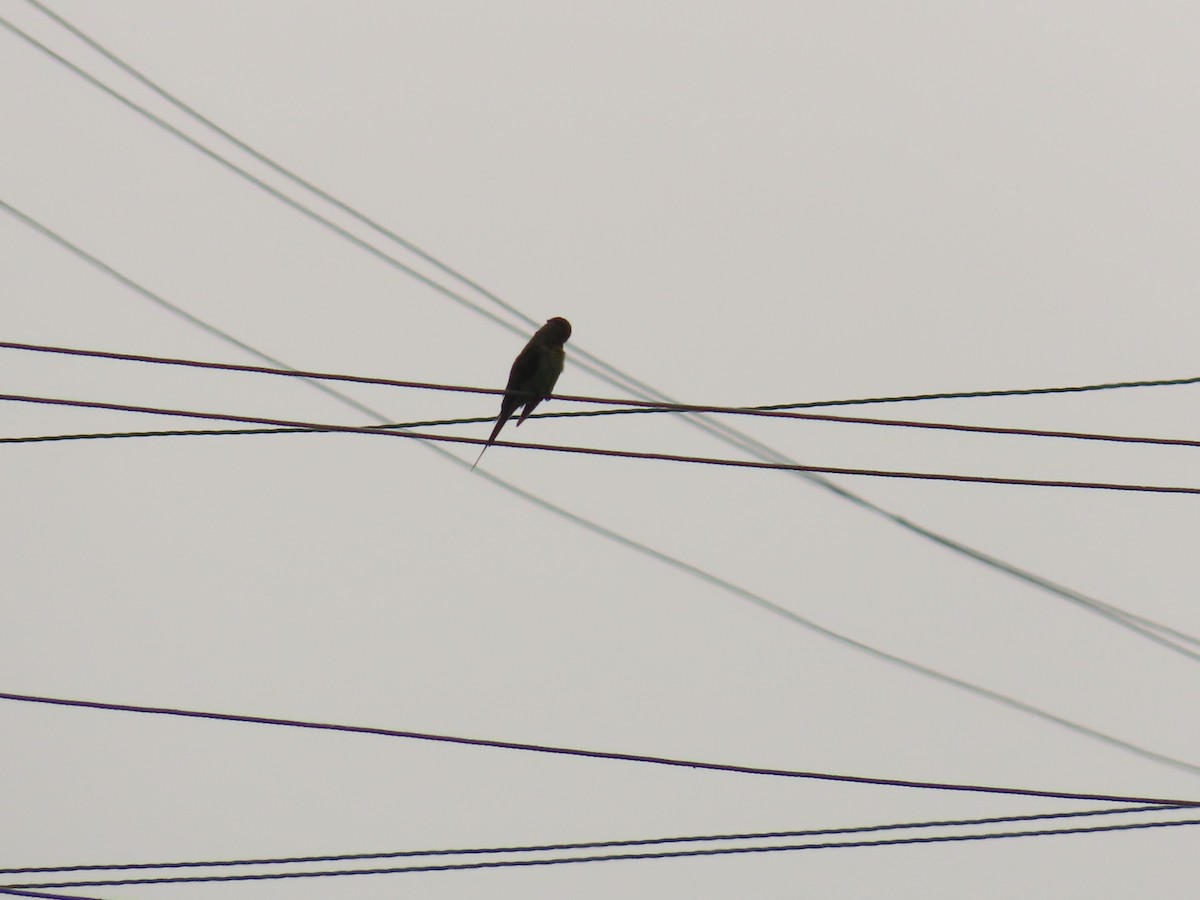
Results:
x,y
533,374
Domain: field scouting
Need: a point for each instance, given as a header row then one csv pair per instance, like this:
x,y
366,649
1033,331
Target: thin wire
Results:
x,y
669,854
19,893
598,754
199,432
1009,392
622,454
586,845
114,435
581,357
650,406
703,575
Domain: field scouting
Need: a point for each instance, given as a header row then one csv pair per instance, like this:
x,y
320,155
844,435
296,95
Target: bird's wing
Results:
x,y
524,367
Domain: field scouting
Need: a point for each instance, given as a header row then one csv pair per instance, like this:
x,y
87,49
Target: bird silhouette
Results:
x,y
533,374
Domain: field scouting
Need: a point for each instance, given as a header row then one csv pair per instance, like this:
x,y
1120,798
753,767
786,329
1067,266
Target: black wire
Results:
x,y
552,750
972,395
604,401
631,454
781,410
591,845
224,432
669,854
19,893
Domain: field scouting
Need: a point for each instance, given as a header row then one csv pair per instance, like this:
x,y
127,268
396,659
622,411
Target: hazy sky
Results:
x,y
735,203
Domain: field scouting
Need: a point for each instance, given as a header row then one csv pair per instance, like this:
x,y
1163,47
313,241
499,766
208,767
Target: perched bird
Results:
x,y
533,374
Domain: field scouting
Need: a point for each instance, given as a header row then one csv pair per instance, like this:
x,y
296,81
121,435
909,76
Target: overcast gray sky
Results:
x,y
736,203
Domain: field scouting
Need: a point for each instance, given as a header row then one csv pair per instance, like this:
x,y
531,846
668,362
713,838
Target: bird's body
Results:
x,y
533,375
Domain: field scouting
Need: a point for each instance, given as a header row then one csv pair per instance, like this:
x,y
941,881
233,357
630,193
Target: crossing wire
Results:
x,y
646,759
621,454
590,845
779,411
655,855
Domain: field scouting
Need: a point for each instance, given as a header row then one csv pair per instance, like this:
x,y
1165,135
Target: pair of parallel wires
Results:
x,y
1138,808
404,429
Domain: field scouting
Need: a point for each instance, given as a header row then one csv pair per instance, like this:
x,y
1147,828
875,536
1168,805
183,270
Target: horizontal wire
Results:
x,y
116,435
597,754
662,854
589,845
43,896
1009,392
776,411
595,451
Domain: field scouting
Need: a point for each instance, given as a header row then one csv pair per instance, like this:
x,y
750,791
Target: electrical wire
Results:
x,y
622,454
591,363
20,893
661,854
586,845
648,406
647,759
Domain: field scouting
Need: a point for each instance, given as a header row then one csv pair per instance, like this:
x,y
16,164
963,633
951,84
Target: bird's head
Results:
x,y
556,330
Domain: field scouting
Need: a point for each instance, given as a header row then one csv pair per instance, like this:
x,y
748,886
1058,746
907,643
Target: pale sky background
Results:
x,y
738,203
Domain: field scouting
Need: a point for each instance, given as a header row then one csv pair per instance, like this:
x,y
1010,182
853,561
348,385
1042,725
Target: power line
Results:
x,y
591,363
1129,621
668,854
20,893
597,754
184,432
622,454
648,406
1007,392
588,845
